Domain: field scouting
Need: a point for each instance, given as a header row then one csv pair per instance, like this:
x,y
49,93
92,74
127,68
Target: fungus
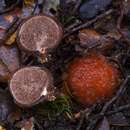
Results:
x,y
32,85
40,33
92,79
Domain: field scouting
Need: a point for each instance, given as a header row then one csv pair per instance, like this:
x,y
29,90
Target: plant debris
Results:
x,y
40,40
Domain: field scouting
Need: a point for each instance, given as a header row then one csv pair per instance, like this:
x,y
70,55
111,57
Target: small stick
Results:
x,y
81,121
78,3
99,116
10,8
77,23
35,7
10,31
119,21
12,24
121,108
88,23
120,91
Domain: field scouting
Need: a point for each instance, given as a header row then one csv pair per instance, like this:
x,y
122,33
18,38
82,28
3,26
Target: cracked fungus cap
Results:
x,y
40,33
31,85
92,79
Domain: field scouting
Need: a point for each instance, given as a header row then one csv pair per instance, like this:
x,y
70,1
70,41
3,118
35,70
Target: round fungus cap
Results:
x,y
31,85
40,33
92,79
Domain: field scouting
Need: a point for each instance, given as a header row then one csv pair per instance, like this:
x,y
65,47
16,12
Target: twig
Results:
x,y
120,91
10,8
35,7
119,21
99,116
78,3
84,115
12,24
11,31
121,108
81,121
77,23
88,23
94,121
14,27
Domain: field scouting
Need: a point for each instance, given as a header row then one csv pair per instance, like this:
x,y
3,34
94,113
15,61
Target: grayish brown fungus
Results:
x,y
40,33
32,85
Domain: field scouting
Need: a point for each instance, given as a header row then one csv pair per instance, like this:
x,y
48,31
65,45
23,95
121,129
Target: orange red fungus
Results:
x,y
92,79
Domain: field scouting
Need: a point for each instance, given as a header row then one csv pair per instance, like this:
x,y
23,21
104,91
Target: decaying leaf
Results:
x,y
4,24
5,21
104,124
11,39
10,57
51,4
15,116
2,128
28,125
29,2
6,105
89,37
4,73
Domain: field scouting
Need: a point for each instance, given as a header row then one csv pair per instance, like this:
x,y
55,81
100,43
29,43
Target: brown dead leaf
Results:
x,y
29,2
2,128
15,116
28,125
11,39
88,37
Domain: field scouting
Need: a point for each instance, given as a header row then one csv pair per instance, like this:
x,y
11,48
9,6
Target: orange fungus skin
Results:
x,y
92,79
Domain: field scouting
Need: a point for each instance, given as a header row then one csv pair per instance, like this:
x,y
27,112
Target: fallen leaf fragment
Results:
x,y
28,125
11,39
29,2
15,116
2,128
89,37
6,106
